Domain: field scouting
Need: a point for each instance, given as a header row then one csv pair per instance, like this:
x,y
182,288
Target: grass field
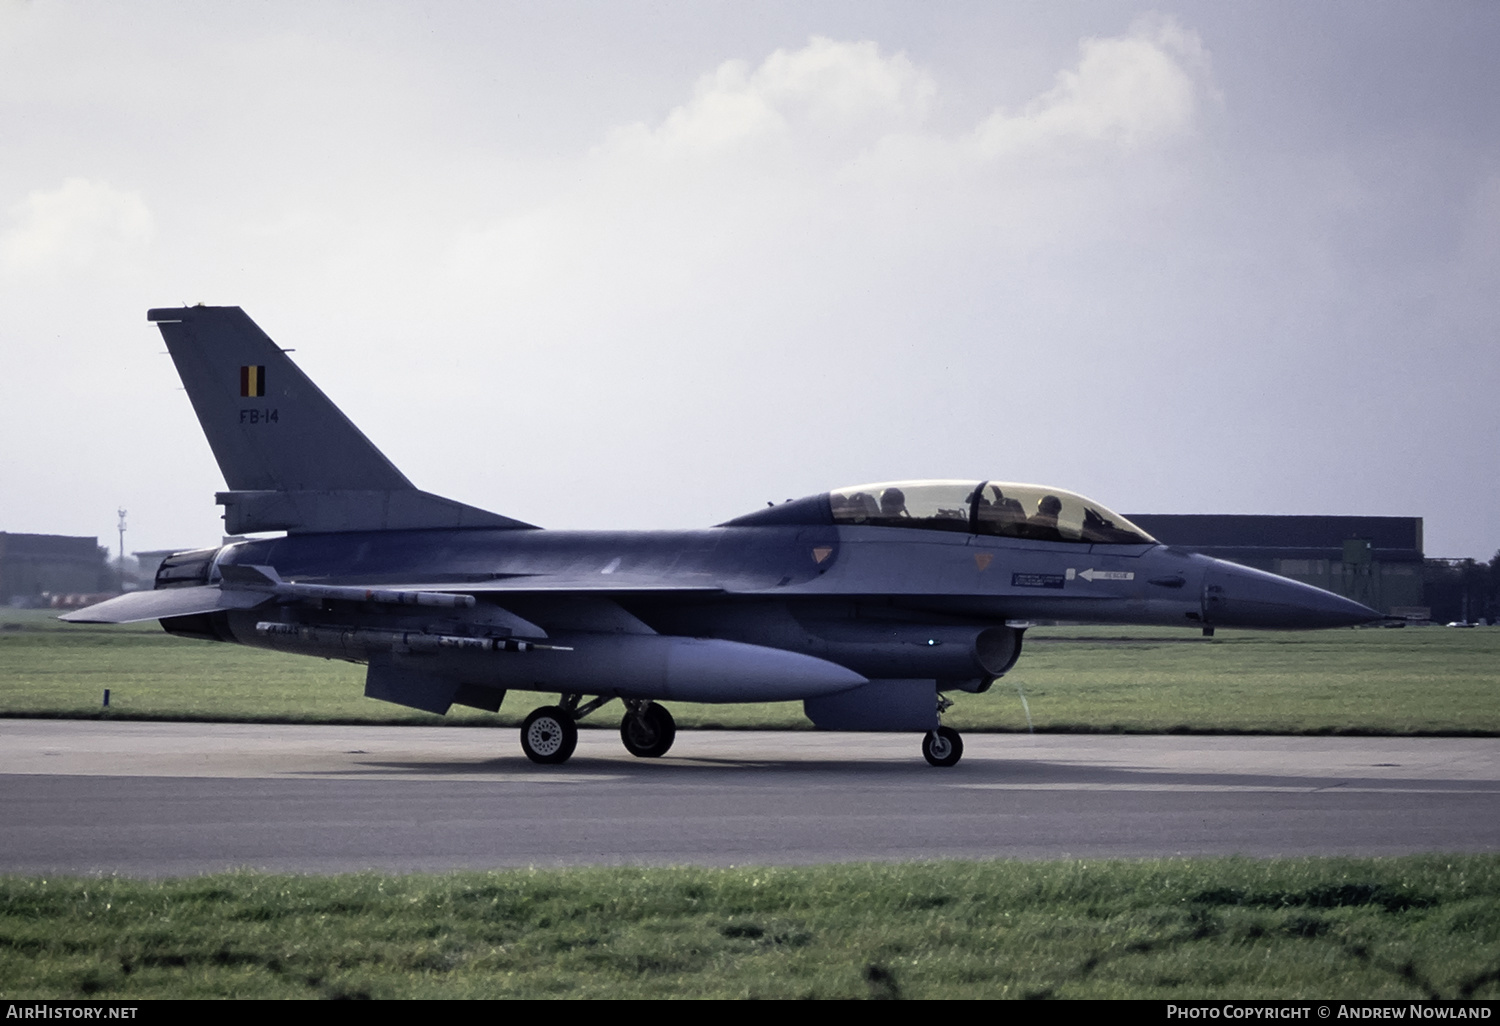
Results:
x,y
1222,928
1409,681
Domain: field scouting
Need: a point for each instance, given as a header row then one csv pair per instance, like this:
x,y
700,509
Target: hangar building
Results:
x,y
31,564
1374,560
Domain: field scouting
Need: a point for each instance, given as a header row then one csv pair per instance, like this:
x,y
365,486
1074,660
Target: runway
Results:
x,y
157,799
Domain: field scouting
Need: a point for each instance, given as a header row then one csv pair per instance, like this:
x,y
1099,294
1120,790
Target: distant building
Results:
x,y
31,564
149,562
1374,560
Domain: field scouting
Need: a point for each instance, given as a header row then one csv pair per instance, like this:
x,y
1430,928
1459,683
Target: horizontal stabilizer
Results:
x,y
167,602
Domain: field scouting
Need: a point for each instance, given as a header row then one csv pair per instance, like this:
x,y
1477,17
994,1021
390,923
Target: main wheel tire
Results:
x,y
549,736
650,734
943,747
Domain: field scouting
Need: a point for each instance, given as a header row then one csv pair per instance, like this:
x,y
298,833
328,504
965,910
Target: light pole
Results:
x,y
121,511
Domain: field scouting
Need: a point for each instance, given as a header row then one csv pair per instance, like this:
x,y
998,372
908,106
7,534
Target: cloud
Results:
x,y
842,100
827,94
1127,91
777,162
81,223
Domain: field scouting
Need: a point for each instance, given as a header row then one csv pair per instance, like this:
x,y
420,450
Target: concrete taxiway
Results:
x,y
150,799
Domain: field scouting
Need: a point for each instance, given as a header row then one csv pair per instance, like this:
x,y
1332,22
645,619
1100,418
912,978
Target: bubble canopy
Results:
x,y
997,508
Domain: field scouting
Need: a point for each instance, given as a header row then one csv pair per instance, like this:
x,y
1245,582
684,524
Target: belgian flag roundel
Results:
x,y
252,382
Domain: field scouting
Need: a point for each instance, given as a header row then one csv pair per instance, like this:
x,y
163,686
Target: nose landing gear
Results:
x,y
942,746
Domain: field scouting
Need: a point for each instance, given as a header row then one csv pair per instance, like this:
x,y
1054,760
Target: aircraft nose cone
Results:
x,y
1237,596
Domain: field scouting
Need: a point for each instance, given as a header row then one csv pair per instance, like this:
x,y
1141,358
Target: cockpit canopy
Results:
x,y
997,508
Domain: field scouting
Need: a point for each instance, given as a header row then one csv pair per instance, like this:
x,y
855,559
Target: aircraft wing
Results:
x,y
595,583
266,579
154,605
248,587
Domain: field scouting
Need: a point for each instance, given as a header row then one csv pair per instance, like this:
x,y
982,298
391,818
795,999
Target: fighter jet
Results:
x,y
870,604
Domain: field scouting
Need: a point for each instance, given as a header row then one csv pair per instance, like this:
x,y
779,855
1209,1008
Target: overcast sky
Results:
x,y
644,265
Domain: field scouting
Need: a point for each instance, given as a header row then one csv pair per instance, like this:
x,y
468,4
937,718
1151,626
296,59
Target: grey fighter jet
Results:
x,y
870,605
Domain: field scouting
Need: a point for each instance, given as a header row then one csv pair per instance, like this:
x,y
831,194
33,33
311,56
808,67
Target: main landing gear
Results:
x,y
550,734
942,747
648,730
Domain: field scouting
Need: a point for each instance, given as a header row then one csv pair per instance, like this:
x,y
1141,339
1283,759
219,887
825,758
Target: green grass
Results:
x,y
1411,681
1224,928
1407,681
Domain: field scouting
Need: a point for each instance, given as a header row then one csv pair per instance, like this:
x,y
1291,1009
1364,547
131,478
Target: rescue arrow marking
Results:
x,y
1091,575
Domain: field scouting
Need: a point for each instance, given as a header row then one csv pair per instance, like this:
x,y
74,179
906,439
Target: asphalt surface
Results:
x,y
156,799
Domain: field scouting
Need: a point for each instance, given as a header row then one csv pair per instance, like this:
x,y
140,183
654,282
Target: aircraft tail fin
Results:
x,y
292,460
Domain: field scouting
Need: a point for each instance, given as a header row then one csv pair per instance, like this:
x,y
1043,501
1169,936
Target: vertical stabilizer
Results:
x,y
270,428
291,458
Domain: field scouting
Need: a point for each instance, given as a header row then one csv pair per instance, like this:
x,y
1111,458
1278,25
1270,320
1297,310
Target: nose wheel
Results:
x,y
942,747
647,732
549,735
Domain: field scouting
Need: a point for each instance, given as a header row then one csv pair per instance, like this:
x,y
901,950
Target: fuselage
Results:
x,y
883,602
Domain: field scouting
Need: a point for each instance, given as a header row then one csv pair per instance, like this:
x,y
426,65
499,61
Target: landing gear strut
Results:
x,y
942,747
647,730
